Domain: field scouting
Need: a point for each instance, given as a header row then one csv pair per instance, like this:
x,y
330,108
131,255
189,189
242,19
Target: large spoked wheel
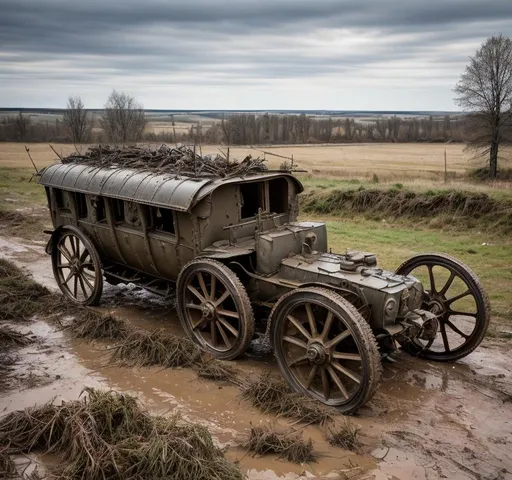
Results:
x,y
454,294
214,308
77,267
325,348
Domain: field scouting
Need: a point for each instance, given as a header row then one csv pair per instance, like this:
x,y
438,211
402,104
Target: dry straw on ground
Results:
x,y
344,435
289,444
108,435
92,325
20,296
274,396
142,348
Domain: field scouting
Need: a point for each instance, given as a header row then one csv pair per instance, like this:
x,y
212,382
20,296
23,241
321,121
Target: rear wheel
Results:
x,y
454,294
214,308
77,267
325,348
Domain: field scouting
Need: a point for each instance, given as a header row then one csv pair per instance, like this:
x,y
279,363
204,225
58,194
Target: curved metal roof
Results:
x,y
165,190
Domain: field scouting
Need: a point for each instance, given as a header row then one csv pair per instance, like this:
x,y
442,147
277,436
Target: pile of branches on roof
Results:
x,y
177,160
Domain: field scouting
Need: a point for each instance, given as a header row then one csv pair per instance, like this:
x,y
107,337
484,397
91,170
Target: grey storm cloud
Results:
x,y
160,47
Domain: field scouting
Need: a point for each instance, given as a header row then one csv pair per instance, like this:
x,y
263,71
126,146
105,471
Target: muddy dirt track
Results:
x,y
427,421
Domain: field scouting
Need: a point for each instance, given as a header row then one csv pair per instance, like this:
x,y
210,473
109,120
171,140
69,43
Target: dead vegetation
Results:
x,y
288,445
92,325
217,370
274,396
20,296
178,160
7,466
461,207
141,348
108,435
344,435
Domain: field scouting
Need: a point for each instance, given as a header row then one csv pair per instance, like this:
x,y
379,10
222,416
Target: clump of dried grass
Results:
x,y
108,435
274,396
344,435
20,295
11,338
7,466
289,445
141,348
217,370
93,325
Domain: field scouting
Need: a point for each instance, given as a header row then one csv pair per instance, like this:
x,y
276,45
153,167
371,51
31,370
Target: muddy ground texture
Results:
x,y
427,421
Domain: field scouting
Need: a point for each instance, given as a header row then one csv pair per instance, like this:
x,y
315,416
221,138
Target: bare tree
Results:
x,y
124,119
75,119
485,90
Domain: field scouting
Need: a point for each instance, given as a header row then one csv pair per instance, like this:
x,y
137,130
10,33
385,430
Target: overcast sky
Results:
x,y
243,54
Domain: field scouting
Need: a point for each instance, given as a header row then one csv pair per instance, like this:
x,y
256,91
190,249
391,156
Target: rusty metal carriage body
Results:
x,y
241,234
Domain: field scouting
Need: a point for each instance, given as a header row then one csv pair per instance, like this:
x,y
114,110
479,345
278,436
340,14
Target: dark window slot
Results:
x,y
252,199
278,195
81,205
99,207
118,209
163,219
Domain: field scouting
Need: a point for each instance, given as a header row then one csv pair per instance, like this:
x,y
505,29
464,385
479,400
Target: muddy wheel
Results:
x,y
214,308
325,348
77,267
453,293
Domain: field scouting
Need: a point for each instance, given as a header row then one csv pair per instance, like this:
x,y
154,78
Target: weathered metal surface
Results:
x,y
165,190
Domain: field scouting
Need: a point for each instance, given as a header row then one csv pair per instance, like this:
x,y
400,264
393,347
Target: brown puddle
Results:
x,y
427,421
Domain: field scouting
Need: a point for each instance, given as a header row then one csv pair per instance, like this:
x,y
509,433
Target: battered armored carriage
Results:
x,y
230,244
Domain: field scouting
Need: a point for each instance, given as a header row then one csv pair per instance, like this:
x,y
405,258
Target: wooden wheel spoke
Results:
x,y
75,286
213,286
68,278
347,356
193,306
64,265
326,389
202,285
227,313
213,333
77,244
462,314
445,337
338,338
448,284
311,376
86,280
223,297
89,265
196,293
82,286
458,297
327,326
347,372
299,326
228,326
298,360
311,320
456,329
295,341
431,278
223,334
64,251
337,381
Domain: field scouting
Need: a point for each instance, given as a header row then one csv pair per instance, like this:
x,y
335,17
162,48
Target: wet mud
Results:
x,y
427,421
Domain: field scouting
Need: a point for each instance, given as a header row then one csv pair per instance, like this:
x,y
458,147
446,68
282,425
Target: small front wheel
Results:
x,y
214,308
325,348
77,267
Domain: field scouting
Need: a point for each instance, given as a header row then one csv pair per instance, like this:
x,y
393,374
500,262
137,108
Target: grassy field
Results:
x,y
487,252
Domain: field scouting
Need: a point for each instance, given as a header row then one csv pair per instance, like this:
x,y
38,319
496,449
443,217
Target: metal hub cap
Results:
x,y
317,353
436,307
208,310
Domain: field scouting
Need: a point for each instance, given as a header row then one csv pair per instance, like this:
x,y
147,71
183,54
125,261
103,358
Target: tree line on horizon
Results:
x,y
484,91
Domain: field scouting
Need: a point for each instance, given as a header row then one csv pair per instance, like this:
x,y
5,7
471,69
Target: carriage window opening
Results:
x,y
163,219
99,206
131,214
118,210
59,198
252,199
81,205
278,195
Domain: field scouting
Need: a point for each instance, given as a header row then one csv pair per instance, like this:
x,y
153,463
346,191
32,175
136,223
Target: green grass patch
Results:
x,y
488,255
18,188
